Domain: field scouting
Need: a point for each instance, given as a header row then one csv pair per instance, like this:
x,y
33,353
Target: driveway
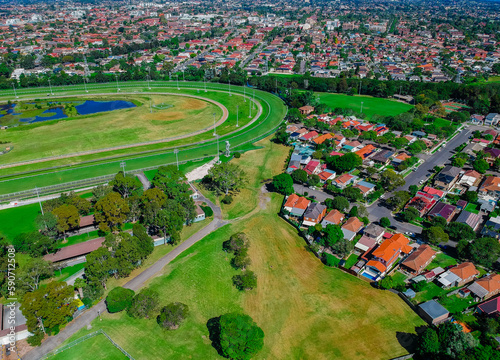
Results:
x,y
135,284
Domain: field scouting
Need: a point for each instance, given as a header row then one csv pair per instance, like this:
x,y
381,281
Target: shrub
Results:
x,y
144,304
331,260
227,199
172,315
207,210
245,281
119,299
237,155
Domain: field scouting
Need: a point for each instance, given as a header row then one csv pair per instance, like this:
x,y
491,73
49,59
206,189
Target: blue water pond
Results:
x,y
92,107
51,114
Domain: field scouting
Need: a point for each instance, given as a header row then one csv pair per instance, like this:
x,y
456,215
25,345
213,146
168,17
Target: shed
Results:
x,y
410,294
433,312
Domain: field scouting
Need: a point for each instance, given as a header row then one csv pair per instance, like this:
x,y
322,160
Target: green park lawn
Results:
x,y
17,220
371,105
63,274
97,347
441,260
306,309
351,261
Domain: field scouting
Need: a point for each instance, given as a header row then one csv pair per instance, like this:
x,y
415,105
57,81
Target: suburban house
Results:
x,y
313,167
365,187
351,228
314,214
385,255
447,211
374,231
306,110
477,119
326,175
366,151
493,154
492,119
321,139
334,217
399,158
296,205
418,260
490,307
446,177
470,178
490,187
383,157
344,180
433,312
492,227
200,214
458,275
365,244
310,136
473,148
485,287
471,219
422,202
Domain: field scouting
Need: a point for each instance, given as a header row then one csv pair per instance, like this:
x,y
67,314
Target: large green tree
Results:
x,y
144,304
333,233
240,337
32,273
342,164
119,299
390,180
283,183
225,177
100,265
111,212
172,315
125,185
67,218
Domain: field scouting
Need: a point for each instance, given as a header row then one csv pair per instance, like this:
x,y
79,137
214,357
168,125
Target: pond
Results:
x,y
92,107
9,109
49,114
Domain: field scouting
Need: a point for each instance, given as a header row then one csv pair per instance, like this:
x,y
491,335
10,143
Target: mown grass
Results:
x,y
63,274
371,105
97,347
441,260
18,220
307,310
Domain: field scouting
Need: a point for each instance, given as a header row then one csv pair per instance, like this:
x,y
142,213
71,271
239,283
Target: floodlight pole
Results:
x,y
205,81
229,87
176,152
15,93
215,127
117,88
149,86
50,86
85,84
361,111
39,202
250,107
183,76
217,157
244,93
178,88
237,113
122,164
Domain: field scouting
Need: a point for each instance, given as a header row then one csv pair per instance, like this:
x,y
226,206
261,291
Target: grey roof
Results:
x,y
448,278
433,309
448,174
348,234
469,218
314,210
478,290
374,230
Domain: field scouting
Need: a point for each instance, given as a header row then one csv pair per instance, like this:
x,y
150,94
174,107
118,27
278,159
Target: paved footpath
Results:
x,y
135,284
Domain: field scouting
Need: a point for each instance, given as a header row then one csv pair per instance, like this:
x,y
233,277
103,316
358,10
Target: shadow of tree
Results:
x,y
213,327
409,340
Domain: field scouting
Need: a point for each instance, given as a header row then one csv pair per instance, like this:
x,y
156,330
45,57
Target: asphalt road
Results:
x,y
135,284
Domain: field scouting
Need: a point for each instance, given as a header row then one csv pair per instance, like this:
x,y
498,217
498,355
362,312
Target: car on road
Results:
x,y
382,196
421,182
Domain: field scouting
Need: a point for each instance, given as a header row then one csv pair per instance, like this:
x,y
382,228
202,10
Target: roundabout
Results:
x,y
144,137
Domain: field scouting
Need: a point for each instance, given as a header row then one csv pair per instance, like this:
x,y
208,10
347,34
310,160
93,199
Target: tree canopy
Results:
x,y
225,177
240,337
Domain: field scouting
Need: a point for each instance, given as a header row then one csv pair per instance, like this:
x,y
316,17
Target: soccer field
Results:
x,y
371,105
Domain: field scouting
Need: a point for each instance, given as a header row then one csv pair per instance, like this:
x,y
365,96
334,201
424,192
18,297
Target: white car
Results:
x,y
421,182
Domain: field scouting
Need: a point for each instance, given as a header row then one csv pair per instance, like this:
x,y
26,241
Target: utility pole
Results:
x,y
359,91
149,86
39,202
176,152
237,113
122,164
15,94
361,111
50,86
178,88
183,75
85,84
215,127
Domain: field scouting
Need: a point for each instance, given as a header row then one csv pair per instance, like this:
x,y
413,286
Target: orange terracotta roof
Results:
x,y
334,216
302,203
419,258
389,247
321,139
377,264
353,224
365,151
292,200
465,270
490,283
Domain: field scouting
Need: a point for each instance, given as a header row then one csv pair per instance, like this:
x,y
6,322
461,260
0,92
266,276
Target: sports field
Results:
x,y
371,105
194,147
307,310
97,347
109,129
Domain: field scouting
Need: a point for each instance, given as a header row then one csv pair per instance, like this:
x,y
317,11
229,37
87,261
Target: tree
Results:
x,y
313,180
283,183
245,281
225,177
333,233
47,224
125,185
417,147
458,231
111,212
299,176
236,243
241,259
35,243
34,271
458,162
385,222
436,235
439,221
67,218
172,315
353,194
343,247
480,165
240,337
340,203
413,189
386,283
428,342
398,200
100,191
119,299
390,180
470,196
49,306
146,243
410,214
100,264
483,251
342,164
144,304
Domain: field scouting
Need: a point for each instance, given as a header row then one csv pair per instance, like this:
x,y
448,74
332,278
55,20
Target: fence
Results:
x,y
83,338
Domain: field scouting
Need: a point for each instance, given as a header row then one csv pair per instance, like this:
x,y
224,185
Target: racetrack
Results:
x,y
265,119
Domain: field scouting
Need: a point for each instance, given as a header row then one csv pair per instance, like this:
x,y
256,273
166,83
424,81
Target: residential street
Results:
x,y
135,284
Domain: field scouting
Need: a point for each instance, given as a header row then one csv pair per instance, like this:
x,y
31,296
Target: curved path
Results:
x,y
225,115
135,284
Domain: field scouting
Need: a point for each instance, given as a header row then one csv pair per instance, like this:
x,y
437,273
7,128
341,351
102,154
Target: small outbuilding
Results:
x,y
433,312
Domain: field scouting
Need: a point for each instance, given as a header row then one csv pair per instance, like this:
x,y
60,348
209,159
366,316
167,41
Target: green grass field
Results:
x,y
97,347
273,113
307,310
17,220
371,105
441,260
